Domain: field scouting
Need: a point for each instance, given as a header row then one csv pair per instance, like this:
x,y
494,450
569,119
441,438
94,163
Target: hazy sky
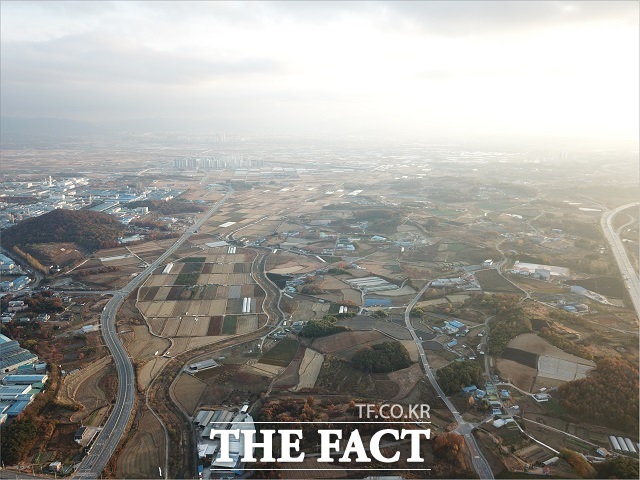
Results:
x,y
507,68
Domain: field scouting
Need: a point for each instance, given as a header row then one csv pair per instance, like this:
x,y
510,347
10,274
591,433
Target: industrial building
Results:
x,y
209,445
6,264
203,365
24,379
543,272
15,284
12,355
371,284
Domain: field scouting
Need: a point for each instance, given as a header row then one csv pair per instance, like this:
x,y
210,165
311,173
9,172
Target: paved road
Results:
x,y
107,441
629,274
464,428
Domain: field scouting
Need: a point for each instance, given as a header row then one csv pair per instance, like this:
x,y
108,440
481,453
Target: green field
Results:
x,y
282,354
229,325
187,278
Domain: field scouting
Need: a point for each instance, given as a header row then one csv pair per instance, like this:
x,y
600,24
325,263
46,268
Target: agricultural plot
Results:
x,y
530,361
309,369
281,354
229,325
215,325
142,454
492,281
558,369
156,324
187,391
247,324
520,375
523,357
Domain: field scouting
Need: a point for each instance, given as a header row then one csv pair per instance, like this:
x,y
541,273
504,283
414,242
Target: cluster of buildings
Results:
x,y
466,282
14,284
490,395
371,284
220,162
7,265
209,445
43,197
73,194
620,444
541,272
13,356
18,388
452,327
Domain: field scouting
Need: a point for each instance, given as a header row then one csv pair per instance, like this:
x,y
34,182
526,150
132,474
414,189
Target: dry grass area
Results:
x,y
143,453
309,369
520,375
346,340
149,370
284,263
157,324
412,348
309,310
247,324
187,391
530,342
406,379
196,342
86,387
141,345
70,383
436,361
264,369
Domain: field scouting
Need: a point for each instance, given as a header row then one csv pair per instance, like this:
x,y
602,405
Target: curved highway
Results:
x,y
629,274
92,465
480,463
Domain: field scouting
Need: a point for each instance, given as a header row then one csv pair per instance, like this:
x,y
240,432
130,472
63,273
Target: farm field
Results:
x,y
282,353
491,281
188,390
530,362
144,451
309,369
83,387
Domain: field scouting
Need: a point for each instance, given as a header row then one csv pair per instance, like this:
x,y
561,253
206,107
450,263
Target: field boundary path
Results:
x,y
105,445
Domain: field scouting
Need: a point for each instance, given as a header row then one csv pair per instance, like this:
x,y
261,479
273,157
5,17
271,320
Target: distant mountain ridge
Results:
x,y
47,127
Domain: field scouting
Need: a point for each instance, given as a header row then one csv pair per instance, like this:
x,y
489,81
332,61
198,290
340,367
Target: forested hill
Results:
x,y
607,396
89,230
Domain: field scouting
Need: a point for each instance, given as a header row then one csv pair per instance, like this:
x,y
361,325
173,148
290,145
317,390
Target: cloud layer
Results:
x,y
420,68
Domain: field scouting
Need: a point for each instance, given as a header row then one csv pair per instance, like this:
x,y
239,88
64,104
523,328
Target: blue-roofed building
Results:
x,y
456,323
17,379
480,394
17,408
12,355
6,264
452,343
11,392
21,282
469,389
32,368
377,302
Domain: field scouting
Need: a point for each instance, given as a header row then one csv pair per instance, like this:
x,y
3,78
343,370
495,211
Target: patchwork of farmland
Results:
x,y
204,296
